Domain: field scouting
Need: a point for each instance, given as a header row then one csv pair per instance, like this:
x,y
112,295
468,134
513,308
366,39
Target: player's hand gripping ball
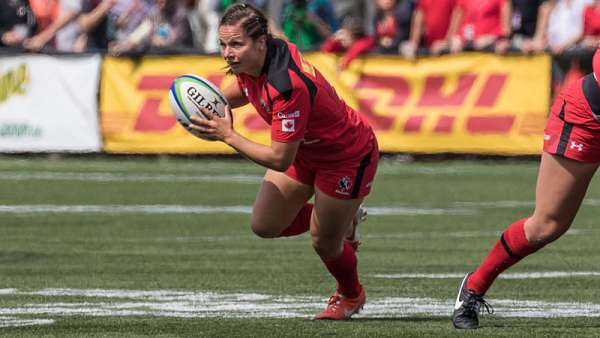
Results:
x,y
189,94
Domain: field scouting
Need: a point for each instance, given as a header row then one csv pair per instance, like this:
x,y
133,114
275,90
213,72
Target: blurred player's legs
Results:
x,y
353,233
561,187
331,220
280,208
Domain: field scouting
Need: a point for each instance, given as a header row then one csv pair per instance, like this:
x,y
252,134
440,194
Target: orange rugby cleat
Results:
x,y
340,307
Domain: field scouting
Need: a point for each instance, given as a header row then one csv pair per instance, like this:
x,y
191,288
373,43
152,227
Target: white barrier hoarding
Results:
x,y
49,103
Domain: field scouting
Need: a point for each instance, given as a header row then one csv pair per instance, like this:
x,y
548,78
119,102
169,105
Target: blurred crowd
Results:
x,y
404,27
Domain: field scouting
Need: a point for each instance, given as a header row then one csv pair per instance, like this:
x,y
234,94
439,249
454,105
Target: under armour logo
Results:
x,y
575,145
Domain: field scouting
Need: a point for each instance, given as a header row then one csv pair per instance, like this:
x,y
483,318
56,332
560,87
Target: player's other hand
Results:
x,y
220,128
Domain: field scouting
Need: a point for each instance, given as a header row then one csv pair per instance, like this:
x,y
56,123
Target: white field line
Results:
x,y
16,322
450,234
107,174
121,209
182,304
516,275
398,211
395,169
178,209
391,168
125,165
407,235
460,208
511,204
120,177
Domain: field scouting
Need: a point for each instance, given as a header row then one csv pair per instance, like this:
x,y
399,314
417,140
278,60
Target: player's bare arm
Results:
x,y
234,96
278,156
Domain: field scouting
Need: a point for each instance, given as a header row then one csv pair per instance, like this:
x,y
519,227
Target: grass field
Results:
x,y
129,247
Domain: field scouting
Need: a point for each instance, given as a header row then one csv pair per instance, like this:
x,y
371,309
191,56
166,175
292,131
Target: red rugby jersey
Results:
x,y
299,104
579,103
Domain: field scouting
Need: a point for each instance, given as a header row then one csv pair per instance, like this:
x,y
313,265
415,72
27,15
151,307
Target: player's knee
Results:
x,y
546,230
263,231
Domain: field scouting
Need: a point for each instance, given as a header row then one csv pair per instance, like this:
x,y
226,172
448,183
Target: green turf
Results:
x,y
218,253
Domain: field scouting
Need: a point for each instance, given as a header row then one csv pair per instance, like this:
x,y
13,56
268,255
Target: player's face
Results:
x,y
242,53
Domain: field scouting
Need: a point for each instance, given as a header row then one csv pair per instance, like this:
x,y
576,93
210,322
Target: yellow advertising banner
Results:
x,y
469,103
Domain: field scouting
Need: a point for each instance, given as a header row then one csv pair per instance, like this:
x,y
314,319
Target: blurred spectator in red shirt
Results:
x,y
352,30
63,30
430,27
45,11
391,27
529,19
591,26
485,25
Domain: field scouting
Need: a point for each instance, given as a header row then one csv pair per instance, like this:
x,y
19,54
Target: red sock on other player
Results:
x,y
344,270
508,250
300,224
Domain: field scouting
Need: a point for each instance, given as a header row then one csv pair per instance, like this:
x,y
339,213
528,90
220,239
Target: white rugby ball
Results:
x,y
189,93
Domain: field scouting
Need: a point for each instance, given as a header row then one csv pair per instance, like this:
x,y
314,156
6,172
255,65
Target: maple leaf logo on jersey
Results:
x,y
344,185
288,125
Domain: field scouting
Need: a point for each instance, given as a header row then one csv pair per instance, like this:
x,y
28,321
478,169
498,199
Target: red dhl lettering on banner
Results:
x,y
149,118
431,97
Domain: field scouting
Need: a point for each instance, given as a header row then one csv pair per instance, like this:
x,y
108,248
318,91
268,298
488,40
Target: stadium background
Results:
x,y
472,103
102,235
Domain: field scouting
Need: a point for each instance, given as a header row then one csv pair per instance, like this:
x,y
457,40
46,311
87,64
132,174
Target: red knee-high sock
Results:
x,y
508,250
300,224
344,269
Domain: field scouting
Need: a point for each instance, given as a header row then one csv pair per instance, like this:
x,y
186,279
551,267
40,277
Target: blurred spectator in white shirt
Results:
x,y
204,21
126,16
565,24
166,28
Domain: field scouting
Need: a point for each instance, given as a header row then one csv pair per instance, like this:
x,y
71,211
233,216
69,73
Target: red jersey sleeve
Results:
x,y
290,117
